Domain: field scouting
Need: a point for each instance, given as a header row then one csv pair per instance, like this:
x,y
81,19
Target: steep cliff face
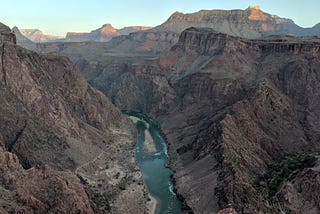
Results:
x,y
244,112
249,23
52,121
229,108
144,81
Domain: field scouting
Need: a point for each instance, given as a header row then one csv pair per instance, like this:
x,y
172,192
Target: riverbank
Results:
x,y
152,204
152,158
134,119
149,145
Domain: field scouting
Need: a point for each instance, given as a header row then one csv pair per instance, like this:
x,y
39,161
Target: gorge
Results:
x,y
236,98
229,107
153,165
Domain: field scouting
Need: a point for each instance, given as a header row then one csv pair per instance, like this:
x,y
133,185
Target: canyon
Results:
x,y
229,108
236,94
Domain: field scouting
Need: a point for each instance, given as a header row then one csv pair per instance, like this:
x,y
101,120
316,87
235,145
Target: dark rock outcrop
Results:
x,y
6,34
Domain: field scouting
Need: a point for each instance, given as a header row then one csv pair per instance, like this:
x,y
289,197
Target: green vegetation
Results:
x,y
122,185
281,171
102,201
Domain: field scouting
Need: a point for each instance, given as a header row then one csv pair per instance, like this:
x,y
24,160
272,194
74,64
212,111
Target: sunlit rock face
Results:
x,y
249,23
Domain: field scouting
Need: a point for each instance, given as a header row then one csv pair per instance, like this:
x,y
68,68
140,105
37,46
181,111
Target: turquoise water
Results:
x,y
156,175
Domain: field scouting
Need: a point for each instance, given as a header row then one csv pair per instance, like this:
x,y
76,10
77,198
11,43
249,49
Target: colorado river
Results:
x,y
152,165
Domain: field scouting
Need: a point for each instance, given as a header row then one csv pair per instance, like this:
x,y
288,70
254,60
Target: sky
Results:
x,y
57,17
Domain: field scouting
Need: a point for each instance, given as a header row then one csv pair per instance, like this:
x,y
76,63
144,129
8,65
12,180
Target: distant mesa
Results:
x,y
23,40
36,35
250,23
103,34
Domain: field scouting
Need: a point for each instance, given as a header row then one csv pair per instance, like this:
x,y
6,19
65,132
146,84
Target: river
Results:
x,y
153,166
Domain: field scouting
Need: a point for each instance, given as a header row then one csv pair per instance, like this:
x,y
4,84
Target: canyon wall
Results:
x,y
64,147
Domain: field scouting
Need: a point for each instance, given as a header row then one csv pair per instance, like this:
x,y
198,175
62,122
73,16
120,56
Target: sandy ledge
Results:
x,y
149,144
152,204
134,119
